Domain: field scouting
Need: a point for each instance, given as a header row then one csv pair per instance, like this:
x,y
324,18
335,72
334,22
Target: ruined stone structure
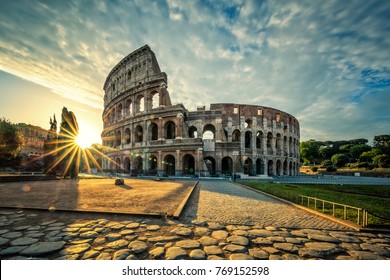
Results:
x,y
145,134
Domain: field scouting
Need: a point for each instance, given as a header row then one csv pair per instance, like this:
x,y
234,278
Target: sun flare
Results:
x,y
83,141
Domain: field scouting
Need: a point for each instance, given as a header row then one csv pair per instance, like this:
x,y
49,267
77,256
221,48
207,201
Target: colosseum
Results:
x,y
145,134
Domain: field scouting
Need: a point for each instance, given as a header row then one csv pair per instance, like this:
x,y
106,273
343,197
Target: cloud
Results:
x,y
326,62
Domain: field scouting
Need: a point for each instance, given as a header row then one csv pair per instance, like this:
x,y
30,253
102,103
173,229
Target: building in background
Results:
x,y
144,133
33,139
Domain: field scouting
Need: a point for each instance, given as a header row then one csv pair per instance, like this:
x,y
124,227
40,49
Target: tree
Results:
x,y
11,141
356,150
309,151
340,160
326,152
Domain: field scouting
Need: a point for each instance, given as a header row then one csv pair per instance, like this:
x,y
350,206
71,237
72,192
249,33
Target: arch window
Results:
x,y
236,136
248,140
248,123
127,136
152,165
170,130
153,131
139,134
259,135
155,100
188,164
209,132
169,165
118,138
210,165
129,107
120,111
192,132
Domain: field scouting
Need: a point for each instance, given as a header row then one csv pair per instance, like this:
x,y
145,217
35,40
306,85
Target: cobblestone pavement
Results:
x,y
227,203
27,234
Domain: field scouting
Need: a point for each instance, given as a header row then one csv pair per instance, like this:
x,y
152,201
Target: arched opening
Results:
x,y
152,165
227,166
248,140
270,170
170,130
285,168
208,132
269,143
127,165
127,136
278,144
248,167
259,166
118,138
113,116
140,104
139,134
188,165
278,167
153,131
118,165
210,165
236,136
259,136
169,162
290,169
155,100
290,147
138,165
193,132
120,112
129,107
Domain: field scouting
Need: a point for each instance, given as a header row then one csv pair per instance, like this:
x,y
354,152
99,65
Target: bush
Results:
x,y
326,163
331,169
314,168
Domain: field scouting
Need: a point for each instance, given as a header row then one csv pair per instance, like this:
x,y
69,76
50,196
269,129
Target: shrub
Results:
x,y
314,168
331,169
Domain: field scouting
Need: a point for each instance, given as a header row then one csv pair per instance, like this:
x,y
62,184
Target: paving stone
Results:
x,y
32,228
298,233
69,257
34,234
175,253
220,234
208,241
381,240
163,239
70,229
131,257
261,233
262,241
290,257
153,228
363,255
345,238
6,223
53,233
81,241
235,248
117,244
188,244
293,240
373,248
90,254
244,227
133,225
215,226
12,234
21,228
275,257
258,254
238,240
200,223
271,250
3,240
342,257
12,250
241,232
276,239
54,228
319,250
104,256
138,246
2,231
41,248
271,228
323,238
131,237
157,252
113,236
240,257
350,246
53,238
117,226
198,254
288,247
85,229
215,258
182,231
201,231
77,249
89,234
127,232
213,250
99,241
121,254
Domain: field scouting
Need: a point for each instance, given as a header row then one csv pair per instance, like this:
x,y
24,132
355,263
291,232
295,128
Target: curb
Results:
x,y
331,218
183,204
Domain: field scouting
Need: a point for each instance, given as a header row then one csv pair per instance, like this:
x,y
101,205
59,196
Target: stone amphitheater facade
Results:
x,y
145,134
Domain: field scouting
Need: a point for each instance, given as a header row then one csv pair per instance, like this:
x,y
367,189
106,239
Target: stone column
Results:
x,y
178,164
160,170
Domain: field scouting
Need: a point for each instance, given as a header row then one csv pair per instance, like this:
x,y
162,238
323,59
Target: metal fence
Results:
x,y
343,211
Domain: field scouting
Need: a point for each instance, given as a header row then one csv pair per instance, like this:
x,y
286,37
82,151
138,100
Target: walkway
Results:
x,y
228,203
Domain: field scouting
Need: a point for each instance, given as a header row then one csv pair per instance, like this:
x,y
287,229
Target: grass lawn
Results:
x,y
375,199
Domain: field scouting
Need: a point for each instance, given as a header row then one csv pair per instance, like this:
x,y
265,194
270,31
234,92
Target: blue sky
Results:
x,y
325,62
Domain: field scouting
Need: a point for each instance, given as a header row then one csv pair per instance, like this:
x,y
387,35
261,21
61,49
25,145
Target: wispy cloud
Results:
x,y
326,62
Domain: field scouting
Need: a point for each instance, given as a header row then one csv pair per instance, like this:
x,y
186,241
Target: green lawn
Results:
x,y
375,199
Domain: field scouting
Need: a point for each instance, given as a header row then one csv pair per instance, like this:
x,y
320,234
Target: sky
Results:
x,y
325,62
